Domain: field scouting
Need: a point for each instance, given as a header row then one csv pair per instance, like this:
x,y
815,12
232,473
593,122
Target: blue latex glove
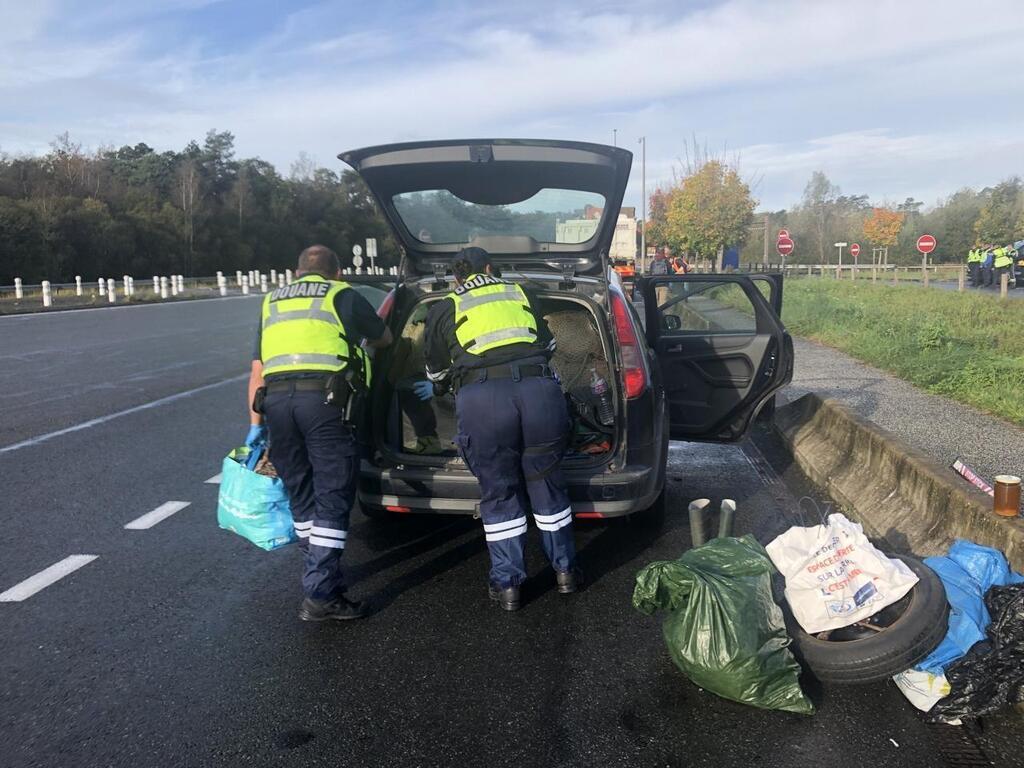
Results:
x,y
257,437
424,390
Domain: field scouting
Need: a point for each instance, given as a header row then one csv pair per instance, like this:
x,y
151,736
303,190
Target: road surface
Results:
x,y
175,643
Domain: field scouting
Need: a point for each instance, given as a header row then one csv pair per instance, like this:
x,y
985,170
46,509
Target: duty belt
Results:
x,y
508,371
298,385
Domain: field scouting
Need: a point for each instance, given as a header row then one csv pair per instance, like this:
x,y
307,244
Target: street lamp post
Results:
x,y
643,192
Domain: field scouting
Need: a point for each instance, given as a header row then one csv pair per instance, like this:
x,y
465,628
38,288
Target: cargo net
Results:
x,y
579,354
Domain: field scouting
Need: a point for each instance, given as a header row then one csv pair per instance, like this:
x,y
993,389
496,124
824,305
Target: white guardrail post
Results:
x,y
156,285
163,287
103,287
47,300
263,283
245,285
288,277
111,290
19,292
78,285
238,277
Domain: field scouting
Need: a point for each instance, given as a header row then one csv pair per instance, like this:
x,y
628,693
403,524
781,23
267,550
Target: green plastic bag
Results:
x,y
723,629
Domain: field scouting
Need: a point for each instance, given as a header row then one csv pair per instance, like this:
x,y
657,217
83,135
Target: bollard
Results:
x,y
223,289
181,283
163,287
47,299
78,285
726,517
174,285
220,277
156,285
273,277
238,277
103,286
697,508
18,291
245,285
288,277
111,290
1004,285
131,285
263,283
280,279
961,280
124,285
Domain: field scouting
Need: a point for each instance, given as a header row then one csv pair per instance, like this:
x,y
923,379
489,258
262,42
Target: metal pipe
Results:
x,y
697,507
726,517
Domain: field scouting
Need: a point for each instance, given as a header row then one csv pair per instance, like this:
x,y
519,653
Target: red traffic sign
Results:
x,y
855,250
926,244
784,246
783,233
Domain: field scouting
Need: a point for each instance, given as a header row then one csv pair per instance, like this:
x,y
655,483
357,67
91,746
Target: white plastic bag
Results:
x,y
835,576
922,689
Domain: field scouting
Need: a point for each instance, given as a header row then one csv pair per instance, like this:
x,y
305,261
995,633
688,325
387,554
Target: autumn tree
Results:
x,y
708,211
882,227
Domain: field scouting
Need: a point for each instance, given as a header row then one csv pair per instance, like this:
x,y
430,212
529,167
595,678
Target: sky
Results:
x,y
890,98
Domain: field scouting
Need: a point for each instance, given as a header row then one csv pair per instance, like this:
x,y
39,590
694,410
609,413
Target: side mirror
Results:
x,y
671,322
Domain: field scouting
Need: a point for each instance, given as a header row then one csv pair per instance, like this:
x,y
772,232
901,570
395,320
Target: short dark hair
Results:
x,y
319,259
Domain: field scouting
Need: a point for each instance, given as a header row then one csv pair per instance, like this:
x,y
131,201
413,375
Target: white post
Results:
x,y
273,276
263,283
103,286
174,285
238,277
78,285
47,301
220,277
156,284
131,285
181,283
245,285
124,285
19,293
288,277
223,288
163,287
280,279
111,290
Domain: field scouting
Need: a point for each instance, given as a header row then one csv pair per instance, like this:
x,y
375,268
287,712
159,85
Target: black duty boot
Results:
x,y
507,598
339,609
569,581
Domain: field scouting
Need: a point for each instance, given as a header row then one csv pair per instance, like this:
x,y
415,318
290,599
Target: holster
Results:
x,y
258,398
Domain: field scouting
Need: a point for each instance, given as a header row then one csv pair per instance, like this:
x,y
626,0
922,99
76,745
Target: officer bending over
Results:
x,y
488,342
307,366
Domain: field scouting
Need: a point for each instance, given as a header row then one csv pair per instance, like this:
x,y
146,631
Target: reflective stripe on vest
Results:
x,y
302,331
490,313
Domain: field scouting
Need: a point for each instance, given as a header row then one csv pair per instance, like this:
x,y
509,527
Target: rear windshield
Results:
x,y
549,216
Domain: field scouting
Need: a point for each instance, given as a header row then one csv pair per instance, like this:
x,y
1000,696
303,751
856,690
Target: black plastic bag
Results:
x,y
991,675
722,628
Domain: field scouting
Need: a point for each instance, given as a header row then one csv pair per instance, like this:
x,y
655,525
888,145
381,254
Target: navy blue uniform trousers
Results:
x,y
314,453
512,436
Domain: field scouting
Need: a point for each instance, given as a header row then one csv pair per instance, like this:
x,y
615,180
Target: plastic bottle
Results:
x,y
599,388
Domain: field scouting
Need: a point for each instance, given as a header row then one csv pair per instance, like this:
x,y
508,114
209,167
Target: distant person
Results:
x,y
660,265
680,266
1002,263
986,267
974,259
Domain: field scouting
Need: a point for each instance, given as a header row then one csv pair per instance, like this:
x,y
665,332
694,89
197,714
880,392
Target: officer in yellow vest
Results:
x,y
1002,262
488,341
307,364
974,259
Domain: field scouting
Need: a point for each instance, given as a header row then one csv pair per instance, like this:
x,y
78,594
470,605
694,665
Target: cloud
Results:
x,y
792,85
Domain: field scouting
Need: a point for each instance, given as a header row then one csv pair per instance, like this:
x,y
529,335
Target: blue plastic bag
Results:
x,y
254,506
967,573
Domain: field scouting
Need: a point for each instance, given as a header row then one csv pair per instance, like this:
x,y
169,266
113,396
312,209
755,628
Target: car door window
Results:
x,y
705,308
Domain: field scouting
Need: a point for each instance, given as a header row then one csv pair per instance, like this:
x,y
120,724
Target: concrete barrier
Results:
x,y
896,492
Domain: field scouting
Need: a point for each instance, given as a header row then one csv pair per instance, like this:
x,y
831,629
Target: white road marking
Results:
x,y
45,578
109,417
162,512
215,480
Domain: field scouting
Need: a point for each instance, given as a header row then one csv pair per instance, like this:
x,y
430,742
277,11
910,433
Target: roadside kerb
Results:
x,y
897,492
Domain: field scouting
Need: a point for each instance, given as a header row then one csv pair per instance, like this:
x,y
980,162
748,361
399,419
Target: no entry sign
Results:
x,y
784,246
926,244
855,250
783,233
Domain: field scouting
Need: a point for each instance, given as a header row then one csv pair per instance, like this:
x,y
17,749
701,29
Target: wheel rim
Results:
x,y
873,625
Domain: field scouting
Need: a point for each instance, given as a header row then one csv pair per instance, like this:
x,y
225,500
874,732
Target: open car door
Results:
x,y
722,349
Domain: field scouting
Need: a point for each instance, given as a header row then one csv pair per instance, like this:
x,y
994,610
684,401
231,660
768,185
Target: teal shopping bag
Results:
x,y
253,506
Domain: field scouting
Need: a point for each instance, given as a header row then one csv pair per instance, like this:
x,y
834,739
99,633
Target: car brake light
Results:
x,y
589,514
634,378
397,509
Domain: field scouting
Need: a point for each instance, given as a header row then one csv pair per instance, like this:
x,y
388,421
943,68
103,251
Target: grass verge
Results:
x,y
969,348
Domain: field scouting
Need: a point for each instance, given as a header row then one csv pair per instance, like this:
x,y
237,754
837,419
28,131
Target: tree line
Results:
x,y
711,208
137,211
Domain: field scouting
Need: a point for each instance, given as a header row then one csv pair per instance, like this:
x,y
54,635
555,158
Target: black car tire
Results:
x,y
916,632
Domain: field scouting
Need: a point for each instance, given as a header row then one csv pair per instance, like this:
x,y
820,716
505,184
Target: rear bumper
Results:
x,y
419,490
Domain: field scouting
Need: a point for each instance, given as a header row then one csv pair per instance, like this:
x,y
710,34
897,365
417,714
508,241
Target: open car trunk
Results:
x,y
582,352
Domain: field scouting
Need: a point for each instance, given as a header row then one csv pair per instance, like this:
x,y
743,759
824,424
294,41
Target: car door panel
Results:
x,y
722,352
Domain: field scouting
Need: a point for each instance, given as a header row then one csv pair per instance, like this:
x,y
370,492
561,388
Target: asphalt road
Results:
x,y
179,645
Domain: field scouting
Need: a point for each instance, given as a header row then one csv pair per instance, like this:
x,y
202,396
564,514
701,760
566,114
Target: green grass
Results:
x,y
969,348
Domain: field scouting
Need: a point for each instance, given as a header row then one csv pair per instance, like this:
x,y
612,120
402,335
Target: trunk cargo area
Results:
x,y
581,352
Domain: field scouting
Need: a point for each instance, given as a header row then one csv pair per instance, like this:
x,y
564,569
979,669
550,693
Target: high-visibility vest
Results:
x,y
1001,258
303,332
974,256
491,313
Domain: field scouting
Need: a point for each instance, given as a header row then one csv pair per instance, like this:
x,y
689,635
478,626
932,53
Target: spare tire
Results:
x,y
891,641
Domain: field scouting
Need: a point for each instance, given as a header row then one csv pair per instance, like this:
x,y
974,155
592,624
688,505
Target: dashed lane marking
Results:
x,y
162,512
215,480
45,578
110,417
